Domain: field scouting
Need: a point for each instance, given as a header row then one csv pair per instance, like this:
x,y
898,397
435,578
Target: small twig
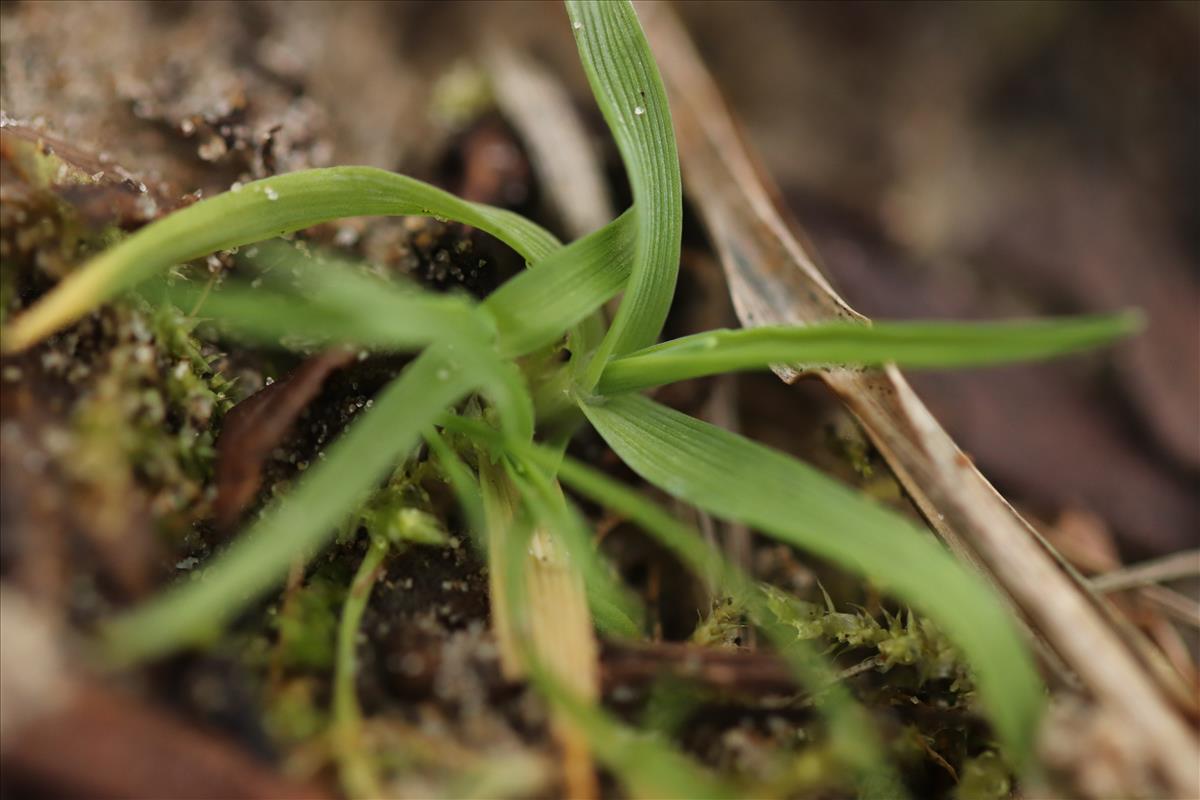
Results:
x,y
807,699
212,281
1179,607
1171,642
936,757
723,411
625,665
291,588
1159,570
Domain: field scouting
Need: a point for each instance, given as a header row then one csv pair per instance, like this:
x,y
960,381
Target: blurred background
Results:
x,y
947,160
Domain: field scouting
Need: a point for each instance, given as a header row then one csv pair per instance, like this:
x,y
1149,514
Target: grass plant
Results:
x,y
490,349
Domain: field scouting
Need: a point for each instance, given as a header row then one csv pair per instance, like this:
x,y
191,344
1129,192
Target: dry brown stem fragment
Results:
x,y
255,426
559,624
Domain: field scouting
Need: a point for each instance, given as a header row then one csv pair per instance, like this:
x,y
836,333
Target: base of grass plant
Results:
x,y
540,614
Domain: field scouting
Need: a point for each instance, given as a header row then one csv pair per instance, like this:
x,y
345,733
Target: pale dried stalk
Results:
x,y
1160,570
1179,607
773,280
560,625
567,166
499,501
561,629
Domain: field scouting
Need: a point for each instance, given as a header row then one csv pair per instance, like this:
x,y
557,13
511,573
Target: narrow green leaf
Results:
x,y
328,281
462,482
330,302
908,344
537,306
501,382
388,320
257,211
735,478
355,764
302,522
629,91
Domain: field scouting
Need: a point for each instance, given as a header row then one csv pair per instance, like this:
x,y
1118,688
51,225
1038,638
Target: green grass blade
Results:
x,y
536,307
462,482
908,344
617,610
501,382
343,286
399,324
355,767
304,521
331,302
387,319
629,91
735,478
257,211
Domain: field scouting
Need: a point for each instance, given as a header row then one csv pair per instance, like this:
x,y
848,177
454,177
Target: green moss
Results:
x,y
904,639
985,777
149,406
308,626
148,398
41,230
723,626
294,714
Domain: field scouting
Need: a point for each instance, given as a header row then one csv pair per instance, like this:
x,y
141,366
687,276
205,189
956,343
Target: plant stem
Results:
x,y
354,765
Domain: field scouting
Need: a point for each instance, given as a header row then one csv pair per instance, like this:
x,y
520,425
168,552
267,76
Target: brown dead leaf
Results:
x,y
105,745
255,426
99,191
62,734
